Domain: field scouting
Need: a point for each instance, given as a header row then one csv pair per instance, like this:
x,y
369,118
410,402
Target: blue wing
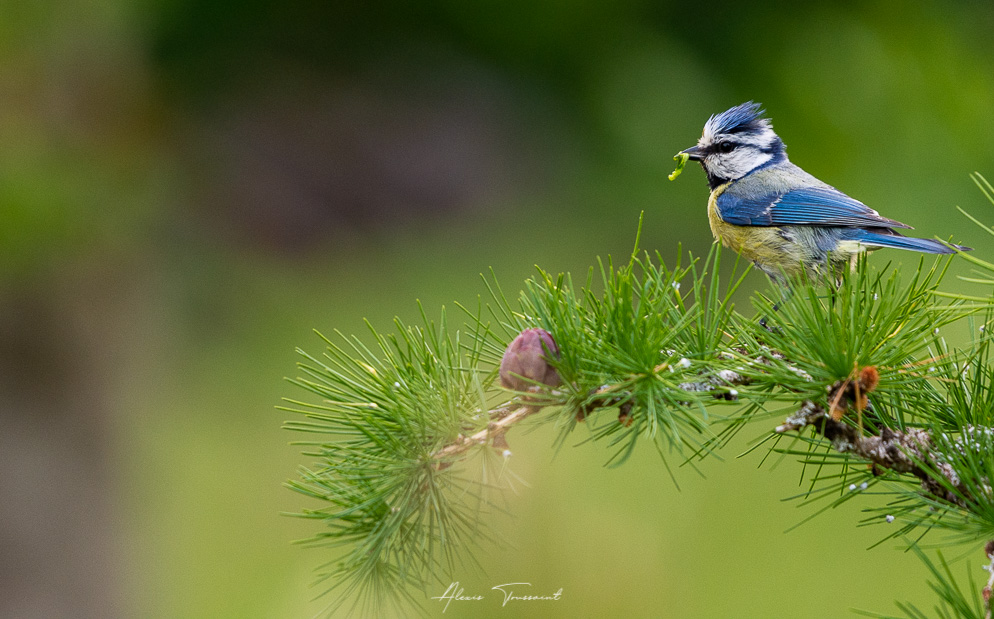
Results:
x,y
808,206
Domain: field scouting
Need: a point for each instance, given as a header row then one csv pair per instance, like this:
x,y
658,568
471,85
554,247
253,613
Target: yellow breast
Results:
x,y
739,238
763,245
717,225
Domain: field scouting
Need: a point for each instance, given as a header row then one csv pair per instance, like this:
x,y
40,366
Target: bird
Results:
x,y
773,213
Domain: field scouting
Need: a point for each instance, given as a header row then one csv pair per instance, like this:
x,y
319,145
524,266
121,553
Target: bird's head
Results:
x,y
735,143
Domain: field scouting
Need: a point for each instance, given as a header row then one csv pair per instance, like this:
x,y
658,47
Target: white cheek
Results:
x,y
737,163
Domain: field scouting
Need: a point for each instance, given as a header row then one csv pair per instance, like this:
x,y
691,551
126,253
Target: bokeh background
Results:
x,y
187,188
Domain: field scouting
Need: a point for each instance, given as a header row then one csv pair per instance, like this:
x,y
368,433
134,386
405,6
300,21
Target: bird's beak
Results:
x,y
693,153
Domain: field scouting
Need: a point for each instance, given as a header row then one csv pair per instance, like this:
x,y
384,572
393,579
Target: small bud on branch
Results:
x,y
525,361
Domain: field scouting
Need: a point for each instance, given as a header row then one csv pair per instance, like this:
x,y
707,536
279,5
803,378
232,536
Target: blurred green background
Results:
x,y
187,188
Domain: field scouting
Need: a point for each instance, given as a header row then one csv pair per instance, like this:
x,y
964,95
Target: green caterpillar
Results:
x,y
681,160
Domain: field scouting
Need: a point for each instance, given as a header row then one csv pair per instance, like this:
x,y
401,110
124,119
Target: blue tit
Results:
x,y
777,215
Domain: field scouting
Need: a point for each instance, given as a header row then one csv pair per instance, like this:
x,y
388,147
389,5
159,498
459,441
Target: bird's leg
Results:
x,y
839,272
787,293
762,320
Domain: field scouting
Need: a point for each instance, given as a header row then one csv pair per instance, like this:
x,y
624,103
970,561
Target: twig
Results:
x,y
902,452
990,581
501,420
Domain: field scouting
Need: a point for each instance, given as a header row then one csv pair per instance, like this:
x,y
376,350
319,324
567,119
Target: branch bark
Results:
x,y
501,420
903,452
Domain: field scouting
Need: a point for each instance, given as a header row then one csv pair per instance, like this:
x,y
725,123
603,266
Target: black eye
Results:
x,y
726,147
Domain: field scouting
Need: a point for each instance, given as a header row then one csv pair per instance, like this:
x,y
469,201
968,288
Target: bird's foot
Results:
x,y
771,329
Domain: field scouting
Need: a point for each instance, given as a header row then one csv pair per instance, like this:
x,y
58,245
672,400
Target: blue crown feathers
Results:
x,y
742,118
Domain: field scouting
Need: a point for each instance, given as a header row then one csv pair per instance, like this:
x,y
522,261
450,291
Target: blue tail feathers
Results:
x,y
897,241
